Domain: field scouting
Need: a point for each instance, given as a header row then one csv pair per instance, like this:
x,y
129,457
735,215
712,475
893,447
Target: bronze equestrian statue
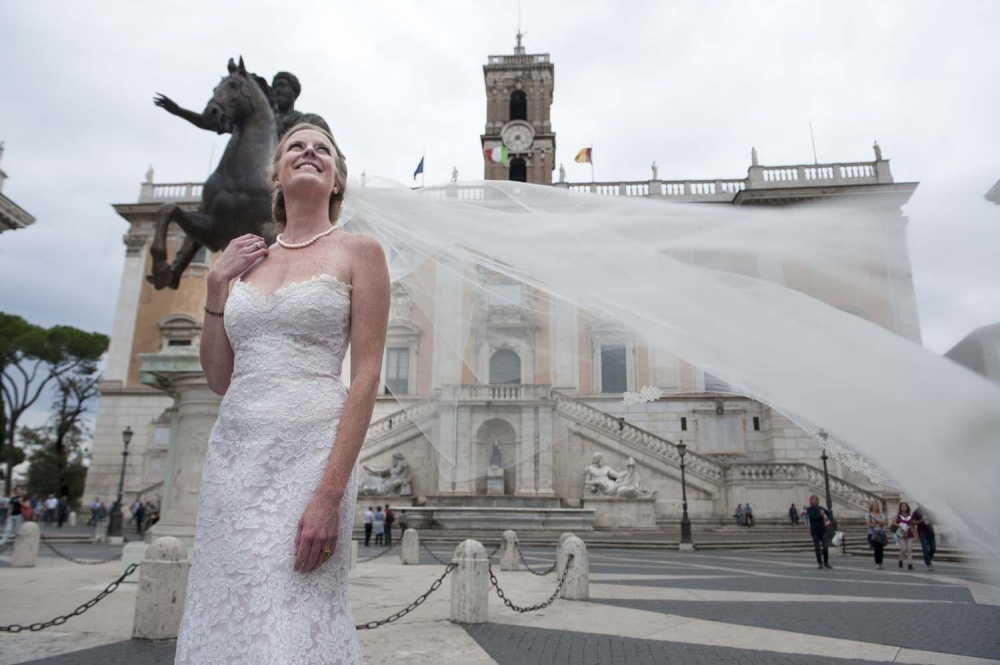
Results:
x,y
236,197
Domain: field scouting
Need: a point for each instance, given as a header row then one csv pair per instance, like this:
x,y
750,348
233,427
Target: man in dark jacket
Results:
x,y
820,520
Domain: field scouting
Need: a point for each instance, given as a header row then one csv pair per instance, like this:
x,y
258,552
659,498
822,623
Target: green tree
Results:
x,y
31,358
54,471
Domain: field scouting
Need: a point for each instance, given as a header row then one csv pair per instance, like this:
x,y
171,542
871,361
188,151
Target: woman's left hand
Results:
x,y
316,536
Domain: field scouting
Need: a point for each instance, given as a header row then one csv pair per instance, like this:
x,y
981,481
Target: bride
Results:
x,y
269,573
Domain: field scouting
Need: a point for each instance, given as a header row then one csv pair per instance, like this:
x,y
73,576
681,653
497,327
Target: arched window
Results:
x,y
505,367
518,170
518,105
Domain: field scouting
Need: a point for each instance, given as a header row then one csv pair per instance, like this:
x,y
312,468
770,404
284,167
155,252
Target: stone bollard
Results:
x,y
470,584
29,536
577,584
561,555
409,553
71,520
159,600
508,551
354,555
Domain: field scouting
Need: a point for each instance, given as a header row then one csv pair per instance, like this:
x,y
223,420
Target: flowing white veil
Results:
x,y
715,286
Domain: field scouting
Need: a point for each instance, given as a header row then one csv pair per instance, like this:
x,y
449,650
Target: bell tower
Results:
x,y
518,143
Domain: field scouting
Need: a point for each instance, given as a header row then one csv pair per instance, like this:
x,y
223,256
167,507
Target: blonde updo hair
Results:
x,y
278,213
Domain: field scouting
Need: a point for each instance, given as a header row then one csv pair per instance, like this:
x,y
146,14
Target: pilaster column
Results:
x,y
545,441
526,462
123,327
197,408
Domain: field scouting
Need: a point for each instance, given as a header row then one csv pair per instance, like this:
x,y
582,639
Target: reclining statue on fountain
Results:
x,y
602,480
390,480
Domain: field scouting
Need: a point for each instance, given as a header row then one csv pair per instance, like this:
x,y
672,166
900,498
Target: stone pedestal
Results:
x,y
494,481
162,592
508,551
470,584
71,520
409,553
618,513
179,374
29,536
577,584
561,553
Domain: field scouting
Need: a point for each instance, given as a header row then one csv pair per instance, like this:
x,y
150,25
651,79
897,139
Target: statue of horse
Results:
x,y
236,198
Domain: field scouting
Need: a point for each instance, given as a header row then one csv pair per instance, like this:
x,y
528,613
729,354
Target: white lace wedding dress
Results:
x,y
266,456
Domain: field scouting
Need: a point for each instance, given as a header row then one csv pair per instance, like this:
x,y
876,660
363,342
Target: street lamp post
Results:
x,y
826,473
686,543
116,518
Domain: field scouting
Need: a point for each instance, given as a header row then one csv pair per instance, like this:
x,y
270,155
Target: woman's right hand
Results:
x,y
240,254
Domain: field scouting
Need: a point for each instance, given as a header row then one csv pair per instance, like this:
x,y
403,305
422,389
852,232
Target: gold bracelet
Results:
x,y
208,311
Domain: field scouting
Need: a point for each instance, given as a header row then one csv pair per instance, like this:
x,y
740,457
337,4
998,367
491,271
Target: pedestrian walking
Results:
x,y
793,515
878,538
925,533
904,534
369,519
18,502
379,526
403,523
62,510
49,515
820,520
390,519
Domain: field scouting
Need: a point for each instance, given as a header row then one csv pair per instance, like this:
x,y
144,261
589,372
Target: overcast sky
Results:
x,y
692,85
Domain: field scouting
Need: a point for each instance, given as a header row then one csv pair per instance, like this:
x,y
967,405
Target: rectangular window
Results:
x,y
684,424
613,375
397,371
179,342
756,424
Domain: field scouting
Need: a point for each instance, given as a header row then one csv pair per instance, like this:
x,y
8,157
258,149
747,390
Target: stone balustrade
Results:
x,y
840,489
499,392
397,419
180,192
625,431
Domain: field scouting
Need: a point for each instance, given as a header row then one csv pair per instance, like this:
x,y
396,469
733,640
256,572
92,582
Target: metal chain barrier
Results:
x,y
82,562
412,606
532,570
434,556
380,554
539,606
60,620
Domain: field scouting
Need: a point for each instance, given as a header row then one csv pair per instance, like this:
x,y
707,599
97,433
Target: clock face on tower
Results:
x,y
518,136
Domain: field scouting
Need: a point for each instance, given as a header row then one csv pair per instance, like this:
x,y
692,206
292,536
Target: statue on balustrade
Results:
x,y
394,480
236,198
602,480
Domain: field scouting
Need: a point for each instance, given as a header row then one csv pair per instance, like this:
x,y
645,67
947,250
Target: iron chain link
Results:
x,y
380,554
82,562
412,606
539,606
532,570
60,620
434,556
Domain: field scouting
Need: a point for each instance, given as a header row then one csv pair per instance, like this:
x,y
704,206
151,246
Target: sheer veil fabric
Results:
x,y
705,283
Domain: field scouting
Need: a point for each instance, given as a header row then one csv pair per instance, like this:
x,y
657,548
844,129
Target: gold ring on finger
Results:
x,y
326,552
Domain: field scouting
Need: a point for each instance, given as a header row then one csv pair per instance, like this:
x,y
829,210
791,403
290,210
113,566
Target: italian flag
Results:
x,y
497,155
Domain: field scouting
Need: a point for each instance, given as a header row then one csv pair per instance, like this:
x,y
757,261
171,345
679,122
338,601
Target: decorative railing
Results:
x,y
799,471
759,177
396,419
621,429
166,192
503,392
534,59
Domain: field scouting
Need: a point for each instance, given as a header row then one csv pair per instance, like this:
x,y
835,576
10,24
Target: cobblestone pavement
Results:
x,y
646,606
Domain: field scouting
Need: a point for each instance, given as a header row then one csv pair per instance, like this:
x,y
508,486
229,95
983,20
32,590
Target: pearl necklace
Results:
x,y
300,245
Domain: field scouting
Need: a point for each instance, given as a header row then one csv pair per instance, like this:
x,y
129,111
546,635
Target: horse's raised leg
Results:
x,y
161,274
197,228
182,260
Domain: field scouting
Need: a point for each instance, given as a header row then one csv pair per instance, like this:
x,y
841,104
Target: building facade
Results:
x,y
538,422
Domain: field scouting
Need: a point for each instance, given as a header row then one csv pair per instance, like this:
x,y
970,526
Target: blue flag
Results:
x,y
420,168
